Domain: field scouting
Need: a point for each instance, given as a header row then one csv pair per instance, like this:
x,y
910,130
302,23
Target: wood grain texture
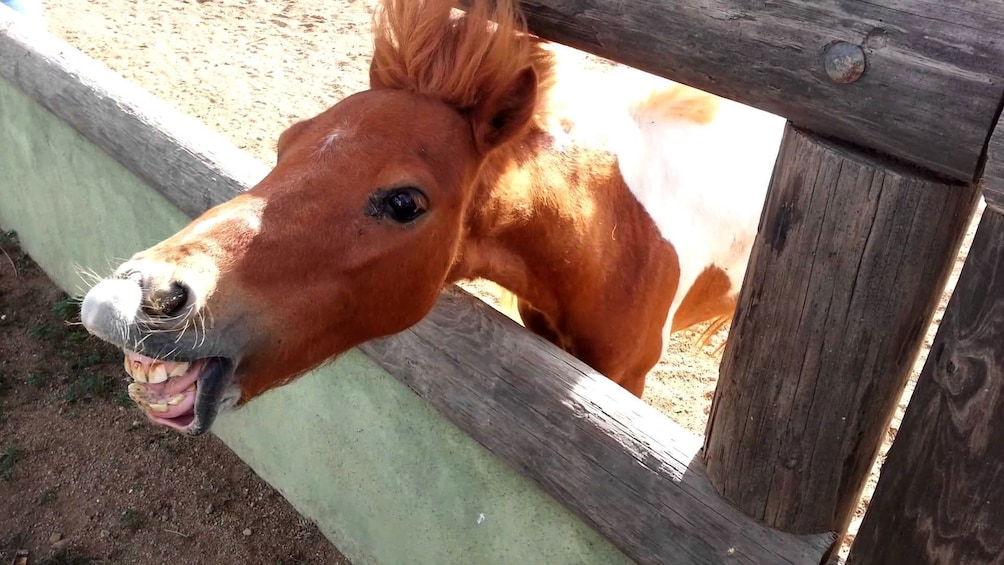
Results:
x,y
191,165
617,462
939,499
993,174
844,277
929,94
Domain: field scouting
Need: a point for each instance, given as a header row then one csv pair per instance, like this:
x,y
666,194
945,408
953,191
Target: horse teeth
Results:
x,y
137,392
137,372
191,388
176,399
158,373
158,407
178,370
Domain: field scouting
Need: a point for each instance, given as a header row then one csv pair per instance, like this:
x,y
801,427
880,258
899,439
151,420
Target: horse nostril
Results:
x,y
167,301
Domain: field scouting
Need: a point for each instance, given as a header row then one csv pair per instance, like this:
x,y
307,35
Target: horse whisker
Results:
x,y
13,266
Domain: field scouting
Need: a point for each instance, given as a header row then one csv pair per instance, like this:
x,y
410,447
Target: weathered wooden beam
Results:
x,y
932,72
168,149
844,277
615,461
939,498
993,174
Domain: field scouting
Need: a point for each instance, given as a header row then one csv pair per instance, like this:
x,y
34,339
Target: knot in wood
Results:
x,y
844,62
962,377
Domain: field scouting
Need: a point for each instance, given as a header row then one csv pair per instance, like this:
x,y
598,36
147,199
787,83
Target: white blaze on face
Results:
x,y
223,237
246,216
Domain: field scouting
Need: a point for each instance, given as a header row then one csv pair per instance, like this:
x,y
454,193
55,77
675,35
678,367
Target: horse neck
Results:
x,y
546,218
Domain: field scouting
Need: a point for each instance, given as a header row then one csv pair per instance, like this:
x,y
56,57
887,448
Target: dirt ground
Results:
x,y
84,478
248,69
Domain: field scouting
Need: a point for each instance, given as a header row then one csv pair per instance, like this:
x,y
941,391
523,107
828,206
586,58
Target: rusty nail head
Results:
x,y
844,62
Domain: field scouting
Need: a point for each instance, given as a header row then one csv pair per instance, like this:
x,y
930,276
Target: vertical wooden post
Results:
x,y
940,499
852,254
993,174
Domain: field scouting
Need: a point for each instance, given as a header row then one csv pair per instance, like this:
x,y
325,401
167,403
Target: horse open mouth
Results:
x,y
181,395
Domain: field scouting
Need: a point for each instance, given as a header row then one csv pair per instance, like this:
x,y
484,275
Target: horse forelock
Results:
x,y
426,47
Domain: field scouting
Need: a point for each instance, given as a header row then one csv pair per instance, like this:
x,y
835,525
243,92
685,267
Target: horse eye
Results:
x,y
404,205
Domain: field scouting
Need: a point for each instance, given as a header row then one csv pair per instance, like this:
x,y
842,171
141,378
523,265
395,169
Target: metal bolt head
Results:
x,y
844,62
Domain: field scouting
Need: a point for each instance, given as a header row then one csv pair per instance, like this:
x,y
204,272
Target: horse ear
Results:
x,y
287,137
501,116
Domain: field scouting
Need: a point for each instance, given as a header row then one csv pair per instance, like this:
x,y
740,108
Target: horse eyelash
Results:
x,y
377,201
375,204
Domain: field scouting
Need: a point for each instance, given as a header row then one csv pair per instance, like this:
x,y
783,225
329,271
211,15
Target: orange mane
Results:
x,y
425,47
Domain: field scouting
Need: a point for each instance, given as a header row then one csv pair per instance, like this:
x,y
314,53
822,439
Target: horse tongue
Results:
x,y
175,385
185,405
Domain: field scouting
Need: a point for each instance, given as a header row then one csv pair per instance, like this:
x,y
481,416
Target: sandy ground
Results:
x,y
250,68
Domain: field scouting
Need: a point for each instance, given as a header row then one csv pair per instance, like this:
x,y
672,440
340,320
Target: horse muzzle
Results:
x,y
180,373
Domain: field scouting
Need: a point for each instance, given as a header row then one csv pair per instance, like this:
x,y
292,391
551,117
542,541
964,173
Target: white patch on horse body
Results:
x,y
702,184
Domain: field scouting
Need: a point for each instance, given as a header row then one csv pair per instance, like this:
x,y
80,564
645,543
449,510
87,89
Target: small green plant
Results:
x,y
81,363
67,556
9,457
49,496
77,336
132,520
122,398
88,386
68,308
8,238
42,332
37,380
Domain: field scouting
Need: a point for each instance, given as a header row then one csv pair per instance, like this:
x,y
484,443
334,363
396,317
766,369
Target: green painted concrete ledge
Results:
x,y
386,478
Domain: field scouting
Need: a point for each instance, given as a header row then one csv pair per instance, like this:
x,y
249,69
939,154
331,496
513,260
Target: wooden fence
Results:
x,y
892,107
894,130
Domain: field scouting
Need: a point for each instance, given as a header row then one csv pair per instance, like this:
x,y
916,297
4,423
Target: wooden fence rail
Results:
x,y
619,464
931,73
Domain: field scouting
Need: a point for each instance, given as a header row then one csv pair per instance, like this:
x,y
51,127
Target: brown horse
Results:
x,y
465,159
